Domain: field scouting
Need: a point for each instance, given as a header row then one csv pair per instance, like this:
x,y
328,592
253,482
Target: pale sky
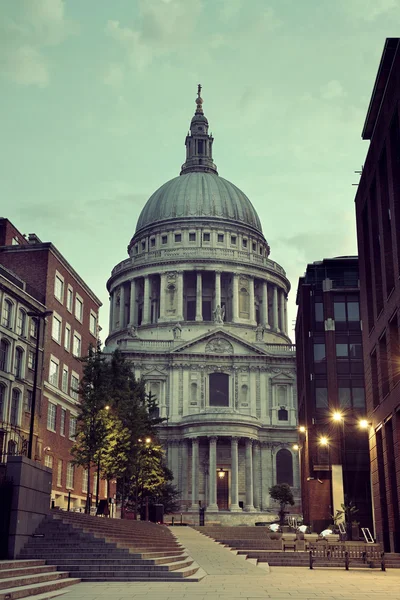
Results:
x,y
97,97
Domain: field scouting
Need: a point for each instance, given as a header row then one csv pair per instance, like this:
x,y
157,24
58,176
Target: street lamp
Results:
x,y
39,316
302,429
364,424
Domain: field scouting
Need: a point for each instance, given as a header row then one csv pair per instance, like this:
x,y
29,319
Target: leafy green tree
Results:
x,y
282,493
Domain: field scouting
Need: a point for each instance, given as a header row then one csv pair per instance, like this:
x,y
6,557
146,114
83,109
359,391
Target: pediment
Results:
x,y
282,378
219,342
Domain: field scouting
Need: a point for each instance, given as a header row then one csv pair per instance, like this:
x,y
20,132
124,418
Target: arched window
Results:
x,y
243,394
21,321
4,354
34,328
284,467
2,402
7,312
219,389
193,393
19,360
11,448
282,395
14,413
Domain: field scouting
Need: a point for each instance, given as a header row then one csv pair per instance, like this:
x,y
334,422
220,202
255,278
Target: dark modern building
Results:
x,y
333,447
378,230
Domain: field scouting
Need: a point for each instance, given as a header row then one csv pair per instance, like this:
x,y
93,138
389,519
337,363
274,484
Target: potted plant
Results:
x,y
355,531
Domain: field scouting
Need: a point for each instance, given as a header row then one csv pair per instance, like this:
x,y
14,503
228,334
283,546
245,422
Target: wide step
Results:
x,y
16,592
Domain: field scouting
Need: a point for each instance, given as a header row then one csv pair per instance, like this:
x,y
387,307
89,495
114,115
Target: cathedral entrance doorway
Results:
x,y
223,489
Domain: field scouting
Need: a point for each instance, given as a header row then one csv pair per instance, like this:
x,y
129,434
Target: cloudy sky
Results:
x,y
97,97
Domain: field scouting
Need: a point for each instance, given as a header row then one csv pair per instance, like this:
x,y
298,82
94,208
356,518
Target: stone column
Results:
x,y
234,475
249,476
252,305
235,299
266,475
163,278
180,297
256,474
122,307
199,296
184,490
132,304
296,469
195,475
111,321
282,310
286,318
275,323
264,318
212,487
217,299
146,301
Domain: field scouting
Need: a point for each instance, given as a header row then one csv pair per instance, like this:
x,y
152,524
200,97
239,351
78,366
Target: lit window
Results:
x,y
14,413
31,360
59,288
48,461
62,421
53,373
67,337
95,484
70,298
93,323
78,309
64,382
74,387
72,427
70,476
51,416
206,237
21,322
85,479
59,473
7,310
76,349
56,329
18,365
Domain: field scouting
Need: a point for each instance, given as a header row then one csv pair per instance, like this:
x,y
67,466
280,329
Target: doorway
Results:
x,y
223,489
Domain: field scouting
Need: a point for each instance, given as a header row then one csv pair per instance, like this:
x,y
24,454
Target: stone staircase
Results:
x,y
100,549
32,578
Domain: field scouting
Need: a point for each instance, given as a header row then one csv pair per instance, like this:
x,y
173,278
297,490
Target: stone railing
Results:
x,y
281,348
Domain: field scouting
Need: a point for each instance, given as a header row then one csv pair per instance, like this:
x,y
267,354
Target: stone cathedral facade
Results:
x,y
200,310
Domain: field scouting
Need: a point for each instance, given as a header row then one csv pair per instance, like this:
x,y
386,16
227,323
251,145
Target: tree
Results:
x,y
282,493
348,512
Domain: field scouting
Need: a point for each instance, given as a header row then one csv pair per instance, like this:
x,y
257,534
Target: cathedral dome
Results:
x,y
199,194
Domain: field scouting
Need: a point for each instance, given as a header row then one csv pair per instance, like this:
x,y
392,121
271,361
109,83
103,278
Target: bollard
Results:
x,y
383,565
346,560
172,521
311,560
181,519
69,501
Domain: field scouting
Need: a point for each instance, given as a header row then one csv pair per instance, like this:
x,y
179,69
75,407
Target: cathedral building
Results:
x,y
200,310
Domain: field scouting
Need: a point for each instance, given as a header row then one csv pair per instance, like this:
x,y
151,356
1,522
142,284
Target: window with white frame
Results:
x,y
51,416
95,484
21,322
70,476
28,401
72,427
31,360
56,328
78,308
64,381
2,401
59,287
53,372
62,421
7,313
93,323
85,480
76,347
15,402
67,337
70,298
19,363
34,328
4,354
59,472
74,386
48,461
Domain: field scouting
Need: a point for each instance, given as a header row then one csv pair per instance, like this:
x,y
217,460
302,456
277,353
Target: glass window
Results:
x,y
18,366
152,242
244,243
206,237
319,311
70,298
353,311
192,237
220,238
76,350
72,427
178,237
28,401
51,416
344,397
339,311
319,352
59,288
342,350
64,382
62,421
34,328
74,387
70,476
356,350
2,401
7,309
31,360
254,247
93,323
53,373
56,329
21,322
219,389
359,397
233,240
78,309
67,337
85,479
283,414
164,239
4,350
14,414
59,473
143,246
48,461
321,397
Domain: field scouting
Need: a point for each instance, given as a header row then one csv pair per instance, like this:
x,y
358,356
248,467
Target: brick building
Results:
x,y
68,332
330,379
378,230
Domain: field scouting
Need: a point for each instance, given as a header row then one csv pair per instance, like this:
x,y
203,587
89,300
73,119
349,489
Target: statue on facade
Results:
x,y
219,314
132,332
259,333
177,331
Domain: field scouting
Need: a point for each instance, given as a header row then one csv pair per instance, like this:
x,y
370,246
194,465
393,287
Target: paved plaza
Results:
x,y
229,577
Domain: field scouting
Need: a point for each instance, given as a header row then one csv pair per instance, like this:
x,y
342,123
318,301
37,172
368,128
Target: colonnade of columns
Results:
x,y
124,301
